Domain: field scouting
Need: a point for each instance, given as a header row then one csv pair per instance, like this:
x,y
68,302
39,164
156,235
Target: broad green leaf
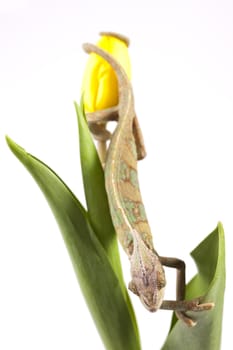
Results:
x,y
97,279
209,282
97,202
96,198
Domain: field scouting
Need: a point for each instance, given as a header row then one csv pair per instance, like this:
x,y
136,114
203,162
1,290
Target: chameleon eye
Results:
x,y
160,284
133,288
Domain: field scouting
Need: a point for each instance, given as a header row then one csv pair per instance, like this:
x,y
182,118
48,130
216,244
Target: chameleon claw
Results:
x,y
182,306
198,306
186,319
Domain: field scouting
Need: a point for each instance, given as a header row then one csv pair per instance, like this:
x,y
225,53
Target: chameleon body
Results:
x,y
126,206
124,197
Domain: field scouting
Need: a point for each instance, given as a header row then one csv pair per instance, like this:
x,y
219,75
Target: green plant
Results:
x,y
91,242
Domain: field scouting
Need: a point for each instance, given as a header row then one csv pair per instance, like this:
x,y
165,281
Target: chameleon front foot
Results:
x,y
182,306
193,305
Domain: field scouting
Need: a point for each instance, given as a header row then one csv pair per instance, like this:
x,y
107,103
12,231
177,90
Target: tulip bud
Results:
x,y
100,85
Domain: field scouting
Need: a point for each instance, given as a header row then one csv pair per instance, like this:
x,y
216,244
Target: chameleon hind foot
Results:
x,y
97,122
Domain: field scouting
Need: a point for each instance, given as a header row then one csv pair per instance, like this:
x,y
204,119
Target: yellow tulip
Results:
x,y
100,86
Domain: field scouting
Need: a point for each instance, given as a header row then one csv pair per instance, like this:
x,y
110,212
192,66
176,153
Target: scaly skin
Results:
x,y
124,197
125,202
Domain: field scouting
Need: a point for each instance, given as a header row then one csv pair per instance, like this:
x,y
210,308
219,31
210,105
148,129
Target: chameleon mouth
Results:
x,y
152,301
150,306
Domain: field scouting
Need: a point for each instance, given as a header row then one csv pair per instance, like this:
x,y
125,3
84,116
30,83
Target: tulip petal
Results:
x,y
100,85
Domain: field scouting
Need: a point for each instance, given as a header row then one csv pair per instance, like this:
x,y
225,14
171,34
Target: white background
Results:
x,y
182,63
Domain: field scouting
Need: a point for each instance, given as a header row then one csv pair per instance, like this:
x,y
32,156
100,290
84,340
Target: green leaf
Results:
x,y
97,202
209,282
96,198
96,276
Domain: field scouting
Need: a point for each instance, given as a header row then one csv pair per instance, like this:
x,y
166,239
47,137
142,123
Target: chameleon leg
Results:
x,y
137,133
180,306
97,123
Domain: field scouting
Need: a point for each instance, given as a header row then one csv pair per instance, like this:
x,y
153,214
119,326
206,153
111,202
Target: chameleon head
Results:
x,y
148,278
149,286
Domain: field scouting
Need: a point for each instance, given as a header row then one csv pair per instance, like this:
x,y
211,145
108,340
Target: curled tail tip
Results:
x,y
91,48
88,48
125,90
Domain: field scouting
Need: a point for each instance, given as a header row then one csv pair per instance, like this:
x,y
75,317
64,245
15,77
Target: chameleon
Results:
x,y
126,207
